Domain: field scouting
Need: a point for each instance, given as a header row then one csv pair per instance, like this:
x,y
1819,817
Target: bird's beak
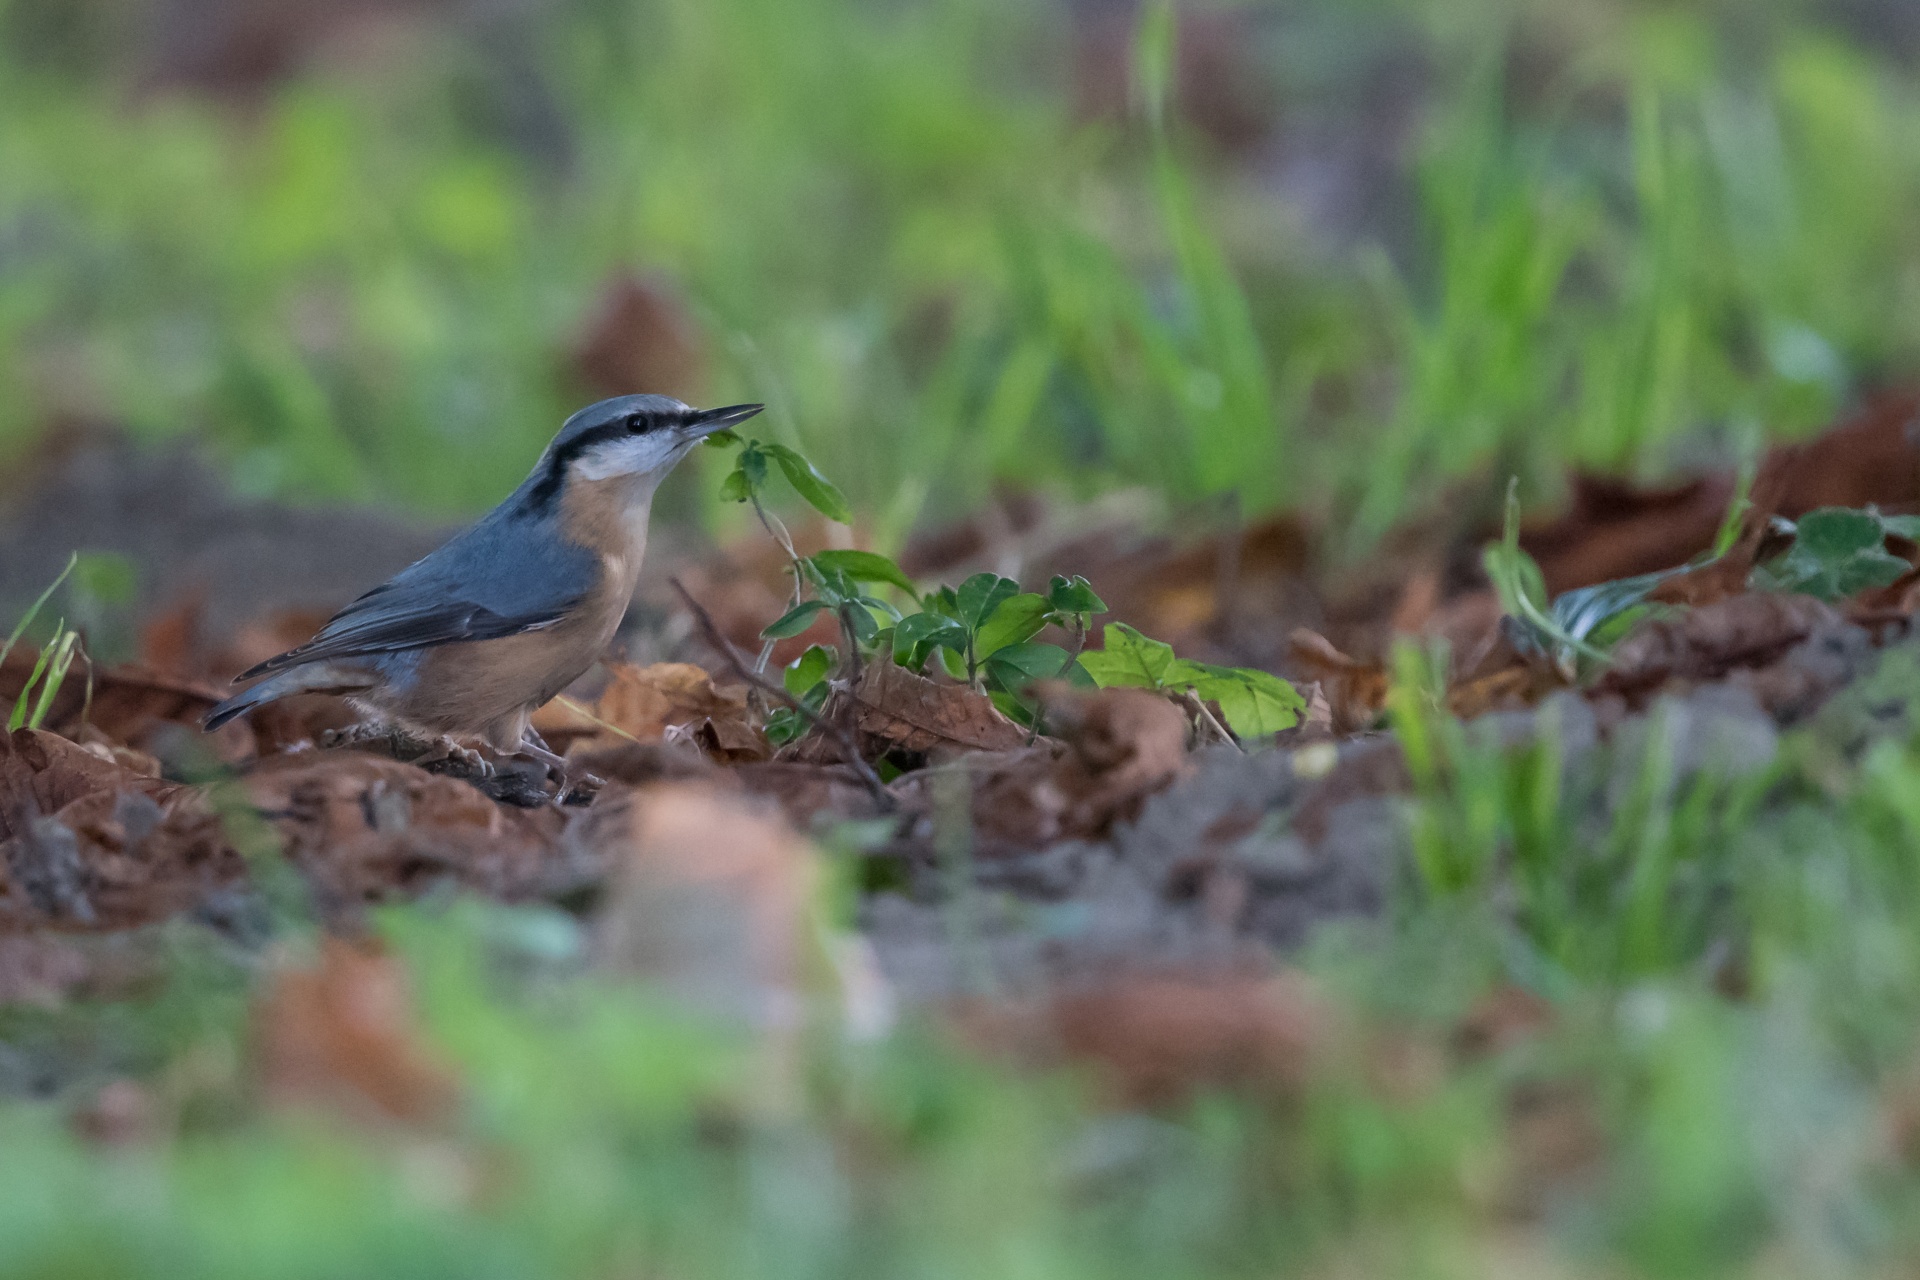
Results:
x,y
708,421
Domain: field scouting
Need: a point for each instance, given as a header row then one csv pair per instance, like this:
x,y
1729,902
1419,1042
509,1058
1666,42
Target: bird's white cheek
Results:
x,y
635,455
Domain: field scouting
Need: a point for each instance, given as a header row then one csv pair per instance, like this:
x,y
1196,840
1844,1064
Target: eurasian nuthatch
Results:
x,y
471,640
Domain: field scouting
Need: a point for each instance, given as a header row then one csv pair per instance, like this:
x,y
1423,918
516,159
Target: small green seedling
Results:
x,y
1839,552
1255,704
1578,624
747,481
982,632
50,667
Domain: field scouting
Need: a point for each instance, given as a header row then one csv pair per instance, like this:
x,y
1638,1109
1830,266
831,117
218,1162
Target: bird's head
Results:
x,y
637,439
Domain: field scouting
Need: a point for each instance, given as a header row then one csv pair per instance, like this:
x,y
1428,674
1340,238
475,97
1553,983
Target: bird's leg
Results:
x,y
535,747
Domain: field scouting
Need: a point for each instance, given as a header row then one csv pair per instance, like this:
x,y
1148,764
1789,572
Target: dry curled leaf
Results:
x,y
677,699
1116,747
913,713
1155,1041
41,773
341,1033
710,897
1749,630
364,827
1355,692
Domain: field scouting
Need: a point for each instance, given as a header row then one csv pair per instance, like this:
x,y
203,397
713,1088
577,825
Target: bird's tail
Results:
x,y
318,678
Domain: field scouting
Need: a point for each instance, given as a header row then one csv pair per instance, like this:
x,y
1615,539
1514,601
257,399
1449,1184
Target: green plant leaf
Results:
x,y
1837,552
809,669
1019,665
980,595
1014,620
1010,706
1130,659
39,603
865,566
861,622
1907,527
63,650
794,620
1256,704
1073,595
785,725
749,475
722,439
810,484
917,634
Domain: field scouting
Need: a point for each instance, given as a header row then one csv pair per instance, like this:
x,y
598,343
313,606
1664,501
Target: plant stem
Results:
x,y
778,532
848,748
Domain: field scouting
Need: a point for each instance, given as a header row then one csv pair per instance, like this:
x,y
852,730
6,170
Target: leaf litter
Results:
x,y
1121,876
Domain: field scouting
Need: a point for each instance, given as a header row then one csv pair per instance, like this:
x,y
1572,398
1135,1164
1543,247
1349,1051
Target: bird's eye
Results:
x,y
638,422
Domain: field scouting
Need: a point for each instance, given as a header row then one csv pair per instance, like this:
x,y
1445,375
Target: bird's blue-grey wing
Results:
x,y
489,582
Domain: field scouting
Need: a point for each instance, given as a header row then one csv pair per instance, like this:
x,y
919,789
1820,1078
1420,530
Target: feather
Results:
x,y
502,576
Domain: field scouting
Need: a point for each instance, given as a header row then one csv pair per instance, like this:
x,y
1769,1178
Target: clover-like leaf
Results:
x,y
818,491
1837,552
1907,527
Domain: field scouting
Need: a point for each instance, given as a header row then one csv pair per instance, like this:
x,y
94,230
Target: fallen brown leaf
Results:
x,y
1748,630
647,704
910,712
40,969
710,895
364,827
113,859
341,1034
41,773
1123,745
1355,691
1157,1041
85,841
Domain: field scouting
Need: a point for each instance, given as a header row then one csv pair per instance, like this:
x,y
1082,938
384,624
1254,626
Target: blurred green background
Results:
x,y
1345,257
1322,253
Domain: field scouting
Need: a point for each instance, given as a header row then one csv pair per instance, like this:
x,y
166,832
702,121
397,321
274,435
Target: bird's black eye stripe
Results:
x,y
542,494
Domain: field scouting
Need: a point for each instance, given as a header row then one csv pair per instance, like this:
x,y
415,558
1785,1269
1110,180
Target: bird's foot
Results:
x,y
574,787
361,732
448,756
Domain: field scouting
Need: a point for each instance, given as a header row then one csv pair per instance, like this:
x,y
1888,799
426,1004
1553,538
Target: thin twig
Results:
x,y
1199,708
848,748
585,714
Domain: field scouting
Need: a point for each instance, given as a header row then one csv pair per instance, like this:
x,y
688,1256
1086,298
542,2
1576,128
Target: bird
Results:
x,y
470,640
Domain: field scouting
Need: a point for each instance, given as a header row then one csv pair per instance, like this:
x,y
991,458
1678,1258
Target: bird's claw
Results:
x,y
454,758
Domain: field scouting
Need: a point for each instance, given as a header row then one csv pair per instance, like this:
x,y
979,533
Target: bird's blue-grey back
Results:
x,y
511,572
